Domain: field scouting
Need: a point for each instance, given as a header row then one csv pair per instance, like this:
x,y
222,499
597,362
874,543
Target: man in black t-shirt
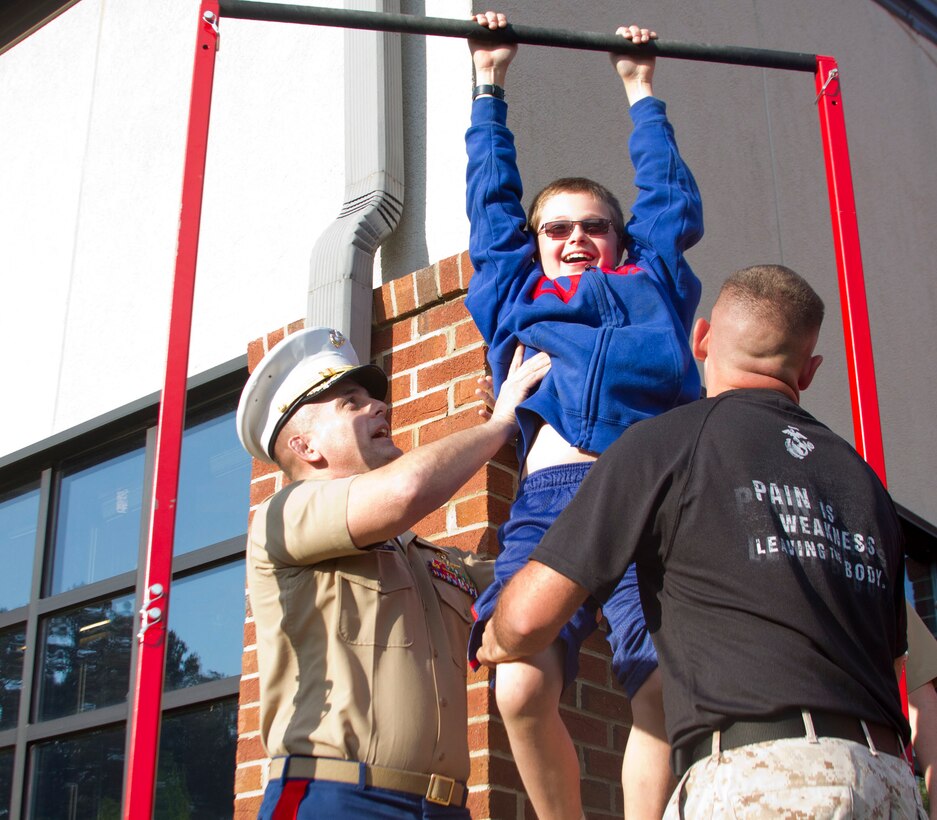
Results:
x,y
770,569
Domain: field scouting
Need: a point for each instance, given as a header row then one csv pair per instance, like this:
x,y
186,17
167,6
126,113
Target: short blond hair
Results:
x,y
579,185
778,295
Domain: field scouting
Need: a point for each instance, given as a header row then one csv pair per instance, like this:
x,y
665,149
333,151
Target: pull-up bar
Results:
x,y
148,679
529,35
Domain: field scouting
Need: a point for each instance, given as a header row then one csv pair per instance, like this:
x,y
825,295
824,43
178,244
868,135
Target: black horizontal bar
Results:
x,y
466,29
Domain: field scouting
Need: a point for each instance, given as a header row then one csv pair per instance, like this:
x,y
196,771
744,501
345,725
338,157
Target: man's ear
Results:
x,y
808,371
699,340
305,449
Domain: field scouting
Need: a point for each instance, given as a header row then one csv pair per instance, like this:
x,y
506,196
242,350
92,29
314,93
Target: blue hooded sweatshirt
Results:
x,y
618,340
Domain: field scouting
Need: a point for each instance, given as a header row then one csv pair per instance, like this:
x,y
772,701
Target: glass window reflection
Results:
x,y
214,485
78,777
12,649
6,782
98,532
86,658
189,782
206,626
18,517
919,590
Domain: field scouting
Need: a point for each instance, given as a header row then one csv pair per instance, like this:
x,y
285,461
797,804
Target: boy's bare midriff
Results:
x,y
549,449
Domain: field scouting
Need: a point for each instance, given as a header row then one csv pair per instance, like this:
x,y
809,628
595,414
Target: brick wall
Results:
x,y
432,353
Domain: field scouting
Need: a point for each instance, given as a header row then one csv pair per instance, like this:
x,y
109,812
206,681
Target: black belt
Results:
x,y
436,788
789,725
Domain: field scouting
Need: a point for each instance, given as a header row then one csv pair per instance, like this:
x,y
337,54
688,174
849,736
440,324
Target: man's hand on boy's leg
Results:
x,y
636,72
491,60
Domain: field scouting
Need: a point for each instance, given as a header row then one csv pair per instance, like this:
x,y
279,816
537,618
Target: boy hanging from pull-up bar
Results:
x,y
618,338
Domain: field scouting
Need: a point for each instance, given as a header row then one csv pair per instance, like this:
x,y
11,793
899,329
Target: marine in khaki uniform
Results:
x,y
361,627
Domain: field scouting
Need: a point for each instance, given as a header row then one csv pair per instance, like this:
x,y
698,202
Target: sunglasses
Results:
x,y
563,228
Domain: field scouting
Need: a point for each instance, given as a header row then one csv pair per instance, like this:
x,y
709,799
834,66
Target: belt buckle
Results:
x,y
438,785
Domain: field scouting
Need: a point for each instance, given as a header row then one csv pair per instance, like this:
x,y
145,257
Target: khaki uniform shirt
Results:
x,y
922,653
361,653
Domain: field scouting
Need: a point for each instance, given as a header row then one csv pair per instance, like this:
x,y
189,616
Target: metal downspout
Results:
x,y
342,262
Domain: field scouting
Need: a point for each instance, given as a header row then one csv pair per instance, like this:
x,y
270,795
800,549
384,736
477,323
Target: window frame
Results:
x,y
920,15
214,391
19,20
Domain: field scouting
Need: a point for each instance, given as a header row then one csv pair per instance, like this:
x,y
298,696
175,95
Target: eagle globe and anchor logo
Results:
x,y
796,442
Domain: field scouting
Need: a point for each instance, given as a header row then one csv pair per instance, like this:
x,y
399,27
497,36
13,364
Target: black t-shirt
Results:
x,y
769,561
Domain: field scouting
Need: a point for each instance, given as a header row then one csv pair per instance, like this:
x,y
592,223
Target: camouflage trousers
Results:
x,y
797,778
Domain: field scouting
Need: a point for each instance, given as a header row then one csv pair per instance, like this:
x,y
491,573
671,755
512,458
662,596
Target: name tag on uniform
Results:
x,y
446,570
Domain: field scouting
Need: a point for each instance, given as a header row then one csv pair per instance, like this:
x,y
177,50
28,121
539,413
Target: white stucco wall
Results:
x,y
91,158
91,150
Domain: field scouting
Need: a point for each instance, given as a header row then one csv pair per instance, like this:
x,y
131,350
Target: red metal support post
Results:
x,y
859,362
140,774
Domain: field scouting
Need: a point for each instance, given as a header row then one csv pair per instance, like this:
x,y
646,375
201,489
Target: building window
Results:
x,y
99,514
202,647
920,587
189,782
78,776
18,516
74,523
12,647
85,658
213,494
6,782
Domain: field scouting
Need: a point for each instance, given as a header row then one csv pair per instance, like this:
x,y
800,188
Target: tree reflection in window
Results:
x,y
86,658
86,650
190,782
79,777
12,649
204,643
6,782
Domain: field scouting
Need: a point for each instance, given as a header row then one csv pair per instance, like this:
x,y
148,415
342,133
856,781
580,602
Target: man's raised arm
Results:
x,y
384,502
531,611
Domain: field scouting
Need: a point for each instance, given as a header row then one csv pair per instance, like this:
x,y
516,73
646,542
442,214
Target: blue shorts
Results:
x,y
541,497
633,654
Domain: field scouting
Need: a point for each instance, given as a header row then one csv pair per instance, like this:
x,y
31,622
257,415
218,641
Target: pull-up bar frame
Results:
x,y
147,696
527,35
